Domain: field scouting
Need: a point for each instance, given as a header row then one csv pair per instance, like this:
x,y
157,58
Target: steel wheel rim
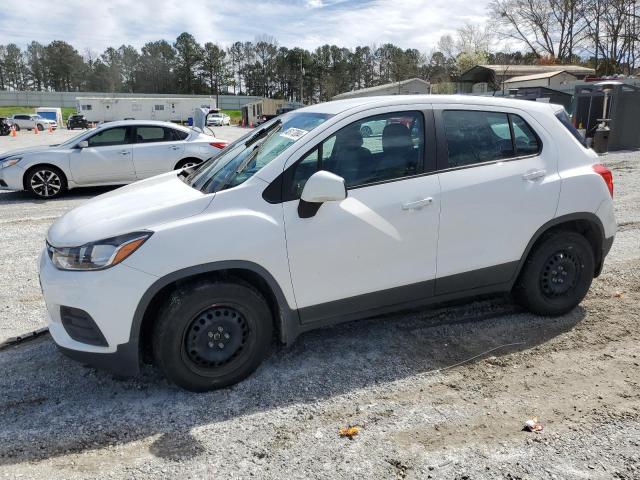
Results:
x,y
215,339
189,165
560,274
46,183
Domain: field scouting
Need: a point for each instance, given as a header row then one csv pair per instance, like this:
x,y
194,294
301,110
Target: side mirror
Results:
x,y
321,187
83,144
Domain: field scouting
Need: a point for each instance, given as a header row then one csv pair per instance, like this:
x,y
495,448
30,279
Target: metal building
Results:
x,y
413,86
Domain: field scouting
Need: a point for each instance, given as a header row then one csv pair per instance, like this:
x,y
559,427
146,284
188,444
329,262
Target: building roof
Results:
x,y
381,87
354,104
516,70
537,76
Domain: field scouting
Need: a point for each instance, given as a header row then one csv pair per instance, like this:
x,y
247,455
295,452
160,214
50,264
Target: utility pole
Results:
x,y
597,39
301,81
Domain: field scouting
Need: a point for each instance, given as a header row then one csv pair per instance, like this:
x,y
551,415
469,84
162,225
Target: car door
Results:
x,y
378,246
155,150
499,178
107,159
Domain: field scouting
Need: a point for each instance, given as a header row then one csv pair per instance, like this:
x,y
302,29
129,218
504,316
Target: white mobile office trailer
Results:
x,y
107,109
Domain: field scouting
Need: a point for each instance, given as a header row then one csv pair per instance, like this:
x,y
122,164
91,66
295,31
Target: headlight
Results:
x,y
97,255
9,162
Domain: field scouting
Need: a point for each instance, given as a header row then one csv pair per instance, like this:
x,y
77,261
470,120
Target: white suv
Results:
x,y
304,223
29,122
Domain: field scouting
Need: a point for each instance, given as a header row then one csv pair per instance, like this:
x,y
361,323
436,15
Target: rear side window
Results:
x,y
564,120
149,134
177,134
475,137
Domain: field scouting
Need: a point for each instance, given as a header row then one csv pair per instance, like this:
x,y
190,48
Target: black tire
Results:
x,y
45,182
557,274
187,162
202,319
17,127
40,127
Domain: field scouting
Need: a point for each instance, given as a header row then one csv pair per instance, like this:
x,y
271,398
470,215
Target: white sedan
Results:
x,y
218,119
115,153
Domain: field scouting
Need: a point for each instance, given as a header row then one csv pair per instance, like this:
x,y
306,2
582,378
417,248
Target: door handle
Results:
x,y
174,147
418,204
124,152
532,175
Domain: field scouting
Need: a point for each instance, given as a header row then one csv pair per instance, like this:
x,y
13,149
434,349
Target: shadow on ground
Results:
x,y
8,197
51,406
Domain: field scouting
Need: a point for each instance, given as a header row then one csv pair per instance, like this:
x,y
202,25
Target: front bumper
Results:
x,y
11,178
110,297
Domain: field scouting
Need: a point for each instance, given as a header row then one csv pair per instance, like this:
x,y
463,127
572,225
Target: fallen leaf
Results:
x,y
349,432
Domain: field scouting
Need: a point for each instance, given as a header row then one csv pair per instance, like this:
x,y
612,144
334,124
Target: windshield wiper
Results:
x,y
262,133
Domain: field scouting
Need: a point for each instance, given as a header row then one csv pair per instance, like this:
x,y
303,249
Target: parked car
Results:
x,y
5,126
218,119
297,226
114,153
77,121
31,121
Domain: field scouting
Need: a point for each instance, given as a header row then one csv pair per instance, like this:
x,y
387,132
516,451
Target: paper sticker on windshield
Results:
x,y
294,133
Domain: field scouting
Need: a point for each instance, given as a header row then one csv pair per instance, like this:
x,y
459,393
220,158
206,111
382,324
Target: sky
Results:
x,y
94,25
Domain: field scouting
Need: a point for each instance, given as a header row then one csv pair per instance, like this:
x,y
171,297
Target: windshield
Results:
x,y
247,155
75,138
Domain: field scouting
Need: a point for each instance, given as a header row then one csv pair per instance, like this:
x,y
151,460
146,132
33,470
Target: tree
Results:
x,y
214,66
188,60
36,66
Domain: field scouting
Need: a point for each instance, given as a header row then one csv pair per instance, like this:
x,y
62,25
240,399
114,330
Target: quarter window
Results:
x,y
476,137
110,137
374,149
176,134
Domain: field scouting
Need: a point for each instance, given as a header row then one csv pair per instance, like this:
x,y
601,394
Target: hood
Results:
x,y
138,206
23,151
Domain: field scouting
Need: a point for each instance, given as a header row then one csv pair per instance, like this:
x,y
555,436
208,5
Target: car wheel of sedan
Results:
x,y
187,163
45,182
40,127
17,127
557,274
212,334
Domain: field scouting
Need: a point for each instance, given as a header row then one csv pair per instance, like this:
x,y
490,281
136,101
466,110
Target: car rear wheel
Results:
x,y
40,127
45,182
187,163
557,274
211,335
17,127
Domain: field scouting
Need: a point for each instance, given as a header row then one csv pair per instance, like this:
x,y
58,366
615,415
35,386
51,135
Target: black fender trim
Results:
x,y
588,216
287,320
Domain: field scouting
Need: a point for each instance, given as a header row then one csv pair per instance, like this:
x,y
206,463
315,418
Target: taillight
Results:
x,y
606,175
219,145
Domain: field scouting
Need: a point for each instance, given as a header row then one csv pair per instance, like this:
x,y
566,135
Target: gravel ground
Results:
x,y
437,394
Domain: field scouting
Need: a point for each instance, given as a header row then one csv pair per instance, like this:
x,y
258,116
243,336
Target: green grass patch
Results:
x,y
236,116
8,111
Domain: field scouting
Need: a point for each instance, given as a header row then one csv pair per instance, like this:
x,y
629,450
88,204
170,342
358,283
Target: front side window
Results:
x,y
109,137
243,158
374,149
475,137
150,134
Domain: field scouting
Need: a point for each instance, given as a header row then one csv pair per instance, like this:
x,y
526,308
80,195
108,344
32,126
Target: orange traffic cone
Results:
x,y
36,131
13,131
50,129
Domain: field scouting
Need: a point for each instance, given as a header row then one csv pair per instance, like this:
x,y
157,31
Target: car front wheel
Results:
x,y
45,182
212,334
557,274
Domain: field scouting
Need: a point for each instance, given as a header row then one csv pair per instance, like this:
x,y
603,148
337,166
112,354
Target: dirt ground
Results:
x,y
438,393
